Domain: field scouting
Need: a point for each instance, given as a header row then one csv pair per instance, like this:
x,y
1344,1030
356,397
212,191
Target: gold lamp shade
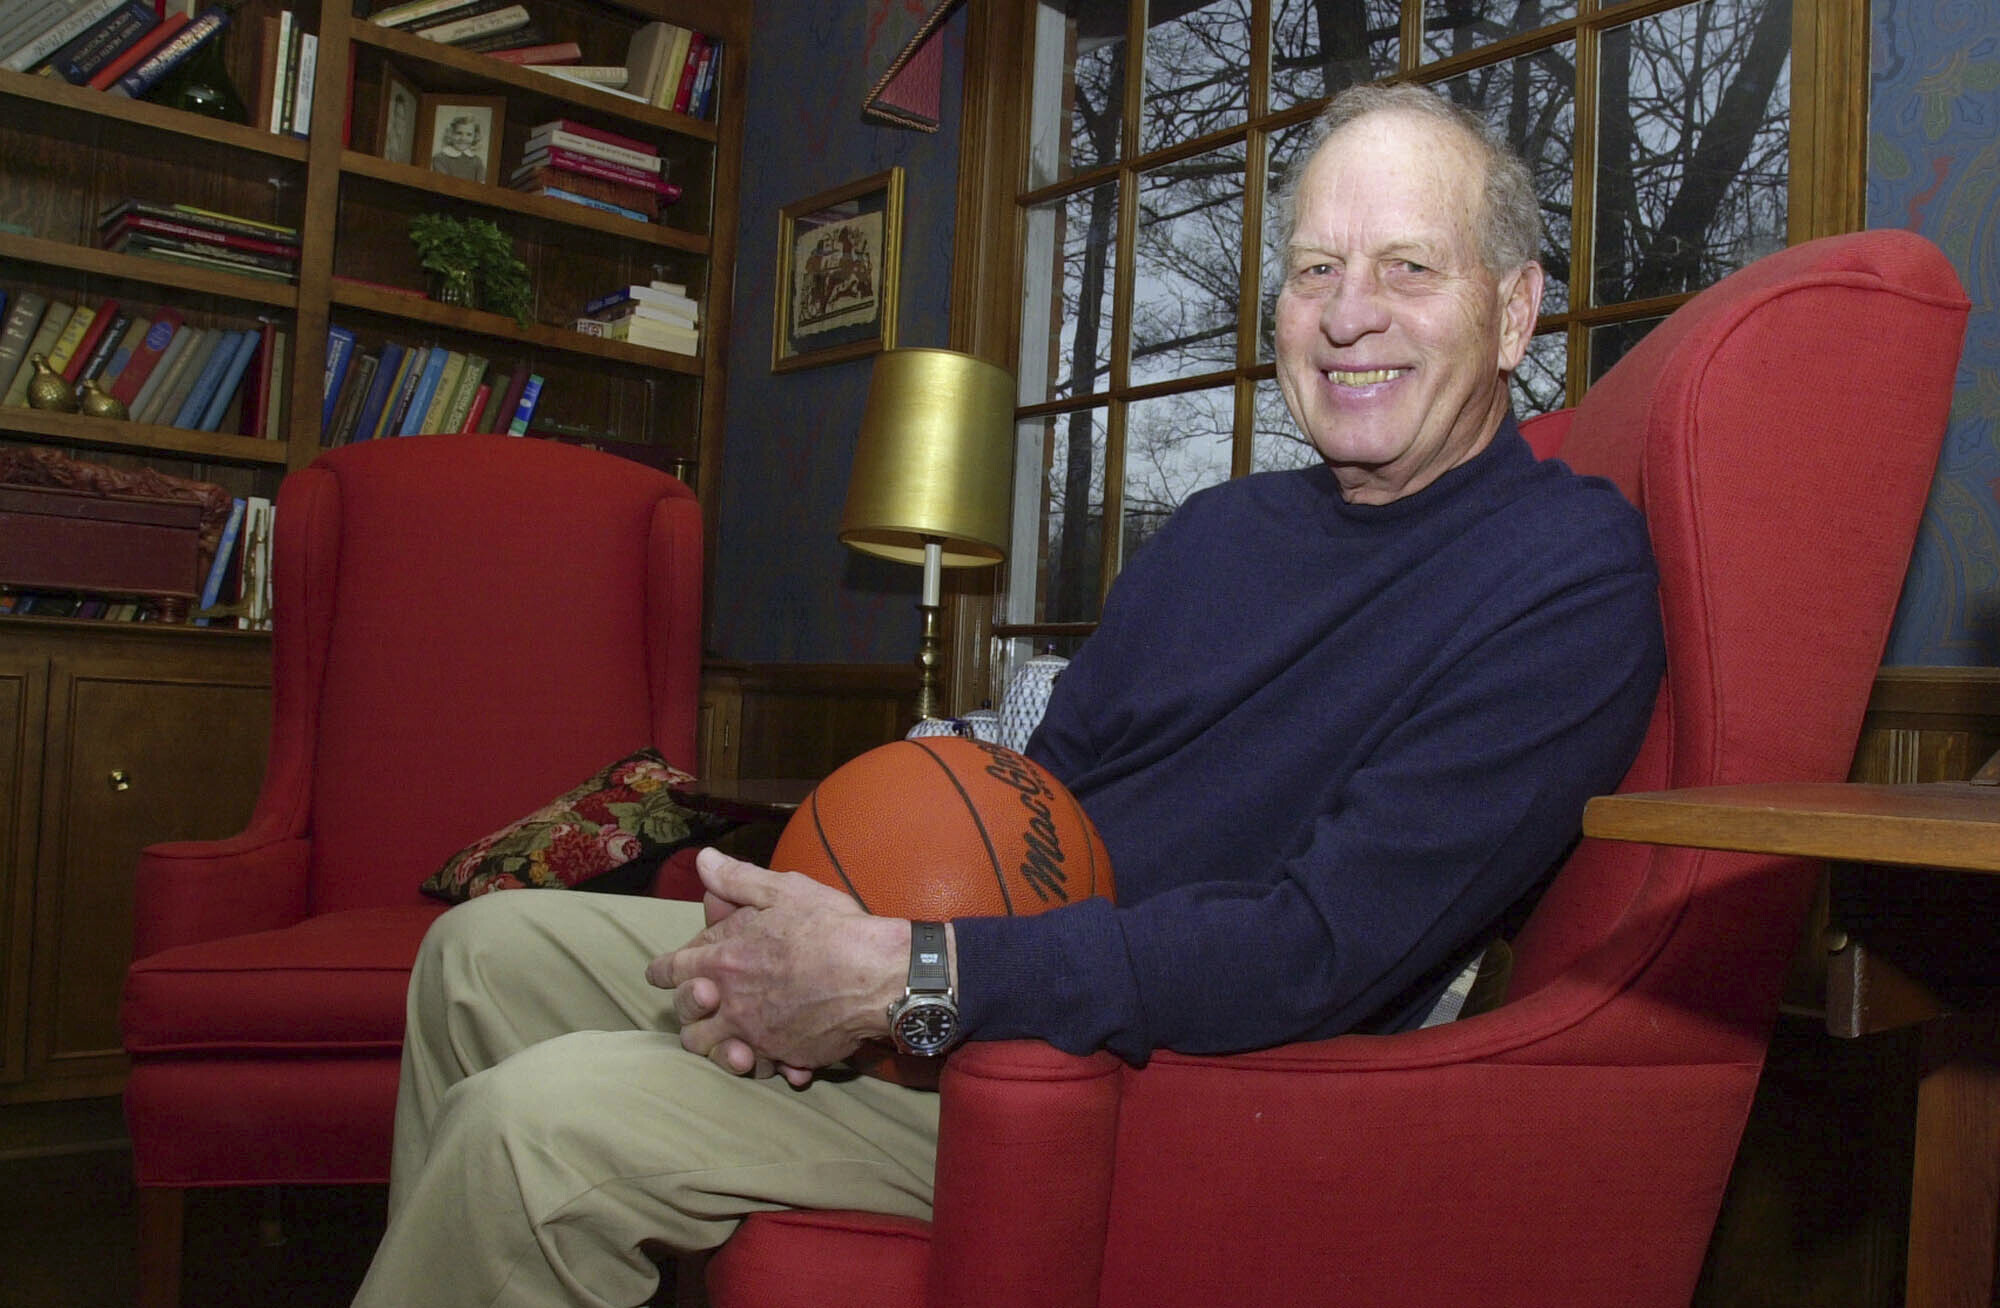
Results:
x,y
935,461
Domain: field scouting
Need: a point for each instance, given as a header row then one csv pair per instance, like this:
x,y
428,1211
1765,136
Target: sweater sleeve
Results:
x,y
1465,804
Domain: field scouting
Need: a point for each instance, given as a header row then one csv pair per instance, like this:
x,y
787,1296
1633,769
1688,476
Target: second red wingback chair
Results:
x,y
466,627
1570,1147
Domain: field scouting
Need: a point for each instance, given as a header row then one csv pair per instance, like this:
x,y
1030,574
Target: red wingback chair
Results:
x,y
1571,1146
466,627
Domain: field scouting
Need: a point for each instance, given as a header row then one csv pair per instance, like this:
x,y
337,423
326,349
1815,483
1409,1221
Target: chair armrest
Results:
x,y
1025,1150
187,891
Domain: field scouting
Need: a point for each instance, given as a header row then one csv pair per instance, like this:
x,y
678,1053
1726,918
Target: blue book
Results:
x,y
179,47
339,353
83,58
420,399
225,548
399,407
196,403
378,392
232,377
524,412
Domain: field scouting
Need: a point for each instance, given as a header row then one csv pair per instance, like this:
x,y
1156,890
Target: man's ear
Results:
x,y
1520,295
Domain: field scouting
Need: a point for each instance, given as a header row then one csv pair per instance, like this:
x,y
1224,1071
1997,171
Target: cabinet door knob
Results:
x,y
120,779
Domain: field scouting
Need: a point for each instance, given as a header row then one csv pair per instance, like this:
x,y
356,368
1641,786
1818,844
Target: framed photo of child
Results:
x,y
396,117
459,136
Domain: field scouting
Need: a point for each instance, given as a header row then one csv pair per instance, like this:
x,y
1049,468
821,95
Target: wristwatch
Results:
x,y
925,1020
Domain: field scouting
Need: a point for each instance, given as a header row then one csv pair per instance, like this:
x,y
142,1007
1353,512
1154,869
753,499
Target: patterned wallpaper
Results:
x,y
786,590
1934,168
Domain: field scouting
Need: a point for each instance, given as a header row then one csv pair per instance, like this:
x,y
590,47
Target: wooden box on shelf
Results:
x,y
54,539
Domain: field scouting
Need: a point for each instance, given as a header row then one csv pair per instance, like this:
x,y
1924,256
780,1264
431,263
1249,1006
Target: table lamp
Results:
x,y
933,476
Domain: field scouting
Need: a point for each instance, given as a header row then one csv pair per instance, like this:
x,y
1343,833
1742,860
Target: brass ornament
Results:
x,y
48,390
96,402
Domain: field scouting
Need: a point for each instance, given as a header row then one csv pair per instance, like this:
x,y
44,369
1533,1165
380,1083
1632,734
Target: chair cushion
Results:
x,y
609,832
333,983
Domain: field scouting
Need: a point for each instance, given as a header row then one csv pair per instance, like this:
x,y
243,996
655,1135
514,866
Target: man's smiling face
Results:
x,y
1394,339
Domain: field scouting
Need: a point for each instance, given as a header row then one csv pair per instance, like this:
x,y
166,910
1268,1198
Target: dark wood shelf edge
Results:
x,y
388,304
356,164
134,438
155,272
53,91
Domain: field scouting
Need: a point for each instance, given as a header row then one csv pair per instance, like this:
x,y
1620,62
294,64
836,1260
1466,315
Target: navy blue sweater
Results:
x,y
1328,746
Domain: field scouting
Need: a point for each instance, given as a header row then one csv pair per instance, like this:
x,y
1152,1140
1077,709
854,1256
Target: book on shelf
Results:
x,y
146,356
659,296
208,220
415,11
142,403
160,34
187,228
189,369
524,408
533,36
398,405
353,393
609,78
424,391
147,245
24,315
654,335
549,52
441,392
536,163
121,354
387,371
69,27
470,379
646,56
206,383
148,72
579,138
468,9
676,98
568,196
218,567
274,40
24,20
87,55
55,318
278,393
339,356
486,413
512,18
94,356
298,121
256,389
502,413
230,383
80,320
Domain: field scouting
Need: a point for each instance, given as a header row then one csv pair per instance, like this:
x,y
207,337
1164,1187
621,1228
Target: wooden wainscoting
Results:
x,y
799,719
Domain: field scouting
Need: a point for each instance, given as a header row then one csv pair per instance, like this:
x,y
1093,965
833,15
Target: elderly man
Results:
x,y
1335,726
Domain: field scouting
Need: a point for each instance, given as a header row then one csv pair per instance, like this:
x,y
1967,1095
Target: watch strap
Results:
x,y
930,963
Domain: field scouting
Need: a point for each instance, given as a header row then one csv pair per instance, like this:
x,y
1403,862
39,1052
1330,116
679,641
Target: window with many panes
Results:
x,y
1660,132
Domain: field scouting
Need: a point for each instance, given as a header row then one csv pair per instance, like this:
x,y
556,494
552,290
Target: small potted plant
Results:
x,y
473,263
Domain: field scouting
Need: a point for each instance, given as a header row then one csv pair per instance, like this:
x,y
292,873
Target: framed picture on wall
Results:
x,y
396,118
459,136
839,254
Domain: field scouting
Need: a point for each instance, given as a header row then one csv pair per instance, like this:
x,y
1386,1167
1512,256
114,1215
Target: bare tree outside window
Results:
x,y
1691,179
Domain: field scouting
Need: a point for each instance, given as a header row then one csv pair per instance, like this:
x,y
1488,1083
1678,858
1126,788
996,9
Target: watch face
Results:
x,y
926,1027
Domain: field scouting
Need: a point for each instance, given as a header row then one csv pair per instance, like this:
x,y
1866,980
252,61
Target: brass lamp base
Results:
x,y
930,656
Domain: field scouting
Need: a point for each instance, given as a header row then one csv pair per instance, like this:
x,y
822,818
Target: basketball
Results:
x,y
945,827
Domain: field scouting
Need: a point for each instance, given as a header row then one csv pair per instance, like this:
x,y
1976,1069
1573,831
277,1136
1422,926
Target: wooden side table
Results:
x,y
1936,829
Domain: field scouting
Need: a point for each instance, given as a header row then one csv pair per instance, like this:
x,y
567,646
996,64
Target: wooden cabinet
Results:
x,y
114,739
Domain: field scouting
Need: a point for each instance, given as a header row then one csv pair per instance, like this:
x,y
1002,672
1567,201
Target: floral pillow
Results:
x,y
610,833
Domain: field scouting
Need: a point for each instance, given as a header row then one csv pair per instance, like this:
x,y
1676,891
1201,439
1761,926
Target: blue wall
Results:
x,y
785,589
1934,167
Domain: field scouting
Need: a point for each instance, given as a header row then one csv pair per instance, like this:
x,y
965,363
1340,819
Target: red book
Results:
x,y
560,52
595,134
688,69
596,188
512,400
479,401
144,46
144,359
73,370
258,393
189,231
570,161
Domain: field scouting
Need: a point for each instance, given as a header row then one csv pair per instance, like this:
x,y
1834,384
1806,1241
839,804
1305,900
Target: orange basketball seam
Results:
x,y
986,838
819,831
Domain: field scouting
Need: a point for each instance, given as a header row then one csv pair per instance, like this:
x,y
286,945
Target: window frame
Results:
x,y
1828,156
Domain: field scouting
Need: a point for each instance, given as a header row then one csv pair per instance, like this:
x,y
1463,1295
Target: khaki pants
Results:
x,y
550,1128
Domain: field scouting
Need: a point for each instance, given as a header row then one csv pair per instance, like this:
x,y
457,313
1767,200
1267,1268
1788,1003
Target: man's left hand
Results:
x,y
790,974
